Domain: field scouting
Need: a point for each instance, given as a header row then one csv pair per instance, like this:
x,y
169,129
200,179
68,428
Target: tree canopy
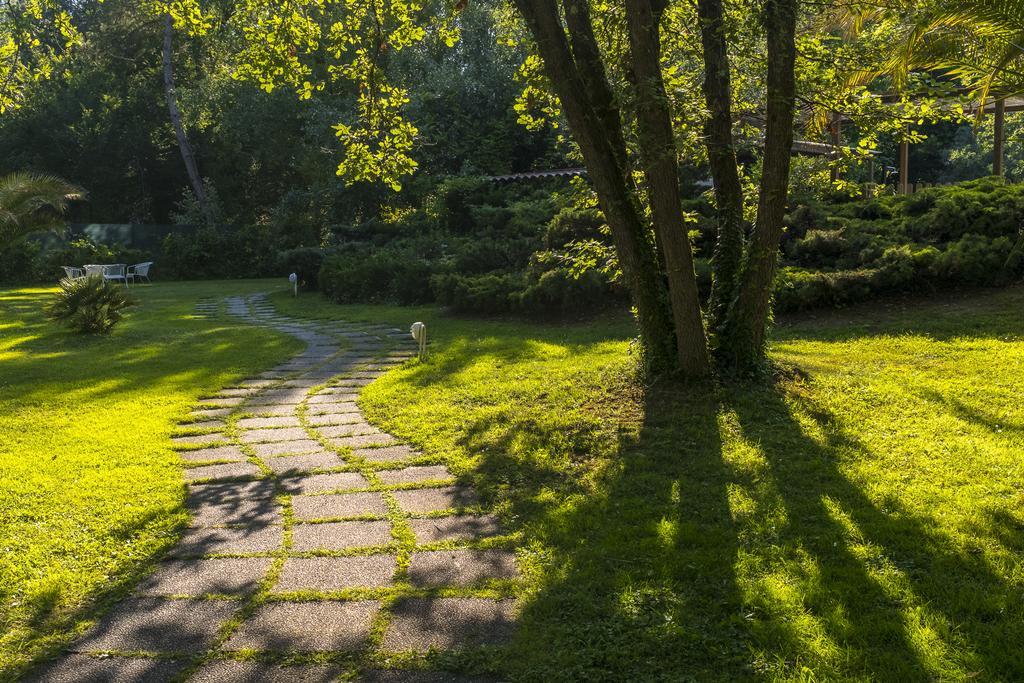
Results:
x,y
653,94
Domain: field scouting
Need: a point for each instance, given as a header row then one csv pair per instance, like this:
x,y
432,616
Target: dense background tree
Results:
x,y
269,108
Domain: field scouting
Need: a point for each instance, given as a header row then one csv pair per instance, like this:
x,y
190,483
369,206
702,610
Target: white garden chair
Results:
x,y
118,272
73,273
139,271
94,270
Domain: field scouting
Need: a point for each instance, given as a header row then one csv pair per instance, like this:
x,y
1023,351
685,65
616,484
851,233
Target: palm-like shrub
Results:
x,y
89,305
30,202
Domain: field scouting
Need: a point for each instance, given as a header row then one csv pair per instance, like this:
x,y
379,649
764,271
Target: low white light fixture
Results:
x,y
294,279
419,333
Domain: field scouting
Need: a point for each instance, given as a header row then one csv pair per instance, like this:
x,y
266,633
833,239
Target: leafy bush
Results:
x,y
89,305
974,260
490,293
18,261
797,289
559,291
572,224
384,276
219,253
304,262
806,217
818,248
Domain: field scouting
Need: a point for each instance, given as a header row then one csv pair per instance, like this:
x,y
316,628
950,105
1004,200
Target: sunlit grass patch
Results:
x,y
90,489
860,520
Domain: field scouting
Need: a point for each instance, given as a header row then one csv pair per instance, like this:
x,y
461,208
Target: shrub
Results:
x,y
89,305
219,253
806,217
304,262
388,276
490,293
797,289
872,210
452,203
559,291
18,260
818,248
974,260
572,224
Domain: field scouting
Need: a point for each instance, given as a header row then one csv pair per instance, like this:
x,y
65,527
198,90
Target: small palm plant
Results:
x,y
89,305
31,202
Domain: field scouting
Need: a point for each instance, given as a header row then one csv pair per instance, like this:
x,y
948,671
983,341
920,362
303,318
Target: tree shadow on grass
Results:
x,y
849,584
756,557
635,574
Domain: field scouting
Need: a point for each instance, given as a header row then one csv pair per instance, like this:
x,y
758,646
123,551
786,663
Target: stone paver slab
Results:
x,y
340,535
283,626
418,624
457,528
461,567
387,454
354,382
86,669
431,500
304,463
265,422
317,483
257,672
414,475
221,576
228,471
246,503
221,402
338,505
256,539
270,435
342,408
237,391
155,625
353,429
367,441
232,453
332,397
335,573
273,411
328,419
293,447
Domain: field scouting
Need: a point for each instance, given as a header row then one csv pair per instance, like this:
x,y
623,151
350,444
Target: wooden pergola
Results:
x,y
998,108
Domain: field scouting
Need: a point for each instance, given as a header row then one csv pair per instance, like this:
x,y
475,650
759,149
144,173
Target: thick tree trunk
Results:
x,y
747,327
661,169
722,160
595,80
635,252
179,130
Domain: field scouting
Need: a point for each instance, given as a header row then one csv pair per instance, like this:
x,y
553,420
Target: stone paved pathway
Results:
x,y
317,540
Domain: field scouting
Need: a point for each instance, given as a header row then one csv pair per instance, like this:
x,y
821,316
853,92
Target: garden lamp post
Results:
x,y
419,333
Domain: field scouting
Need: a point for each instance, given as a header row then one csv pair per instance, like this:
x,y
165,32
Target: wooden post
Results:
x,y
904,185
998,137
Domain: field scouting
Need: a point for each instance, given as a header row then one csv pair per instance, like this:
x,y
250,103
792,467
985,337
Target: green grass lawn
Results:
x,y
90,491
862,519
